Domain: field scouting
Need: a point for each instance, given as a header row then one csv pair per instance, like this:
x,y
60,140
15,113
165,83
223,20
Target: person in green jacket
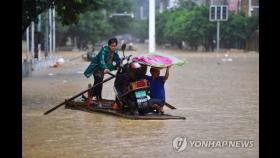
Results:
x,y
104,62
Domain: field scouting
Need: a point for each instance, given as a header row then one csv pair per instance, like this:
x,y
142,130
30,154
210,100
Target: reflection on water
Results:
x,y
219,101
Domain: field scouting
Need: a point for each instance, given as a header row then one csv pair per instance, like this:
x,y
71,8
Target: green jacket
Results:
x,y
99,63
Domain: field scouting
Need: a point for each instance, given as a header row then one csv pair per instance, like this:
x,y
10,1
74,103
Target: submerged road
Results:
x,y
218,93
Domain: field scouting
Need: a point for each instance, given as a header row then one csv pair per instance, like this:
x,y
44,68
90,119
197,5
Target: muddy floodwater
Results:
x,y
218,93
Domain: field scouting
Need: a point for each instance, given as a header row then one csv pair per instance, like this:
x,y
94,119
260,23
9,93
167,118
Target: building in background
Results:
x,y
244,7
141,8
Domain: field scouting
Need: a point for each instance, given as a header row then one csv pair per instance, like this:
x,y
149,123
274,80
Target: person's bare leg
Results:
x,y
99,103
98,100
161,110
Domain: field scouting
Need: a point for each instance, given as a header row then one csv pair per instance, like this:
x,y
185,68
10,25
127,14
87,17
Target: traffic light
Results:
x,y
212,13
218,12
224,12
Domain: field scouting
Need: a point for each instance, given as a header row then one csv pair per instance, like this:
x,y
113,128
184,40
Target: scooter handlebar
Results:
x,y
122,59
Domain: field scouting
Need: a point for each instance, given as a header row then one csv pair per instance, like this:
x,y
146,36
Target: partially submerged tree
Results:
x,y
193,26
237,29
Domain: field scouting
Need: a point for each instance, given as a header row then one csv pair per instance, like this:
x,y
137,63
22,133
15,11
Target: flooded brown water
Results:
x,y
220,100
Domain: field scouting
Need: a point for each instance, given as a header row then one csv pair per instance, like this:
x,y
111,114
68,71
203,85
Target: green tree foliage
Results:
x,y
67,10
92,27
161,19
191,24
139,29
120,24
98,25
175,25
199,29
252,24
187,4
237,29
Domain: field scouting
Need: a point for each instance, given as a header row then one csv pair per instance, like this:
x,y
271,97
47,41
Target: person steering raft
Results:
x,y
104,62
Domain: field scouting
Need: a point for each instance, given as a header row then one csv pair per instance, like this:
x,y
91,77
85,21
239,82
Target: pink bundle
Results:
x,y
153,60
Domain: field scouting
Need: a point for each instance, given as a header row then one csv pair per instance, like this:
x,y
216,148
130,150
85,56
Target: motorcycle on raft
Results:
x,y
131,87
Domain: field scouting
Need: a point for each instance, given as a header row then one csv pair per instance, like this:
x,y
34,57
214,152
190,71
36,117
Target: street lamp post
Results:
x,y
50,31
152,35
218,36
32,40
53,29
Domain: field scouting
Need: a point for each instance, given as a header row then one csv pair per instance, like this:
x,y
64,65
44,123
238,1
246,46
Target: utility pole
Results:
x,y
53,29
141,13
249,8
152,26
46,41
218,36
32,41
27,43
39,44
50,32
39,23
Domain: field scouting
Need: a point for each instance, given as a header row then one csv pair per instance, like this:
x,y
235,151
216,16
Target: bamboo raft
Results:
x,y
106,108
